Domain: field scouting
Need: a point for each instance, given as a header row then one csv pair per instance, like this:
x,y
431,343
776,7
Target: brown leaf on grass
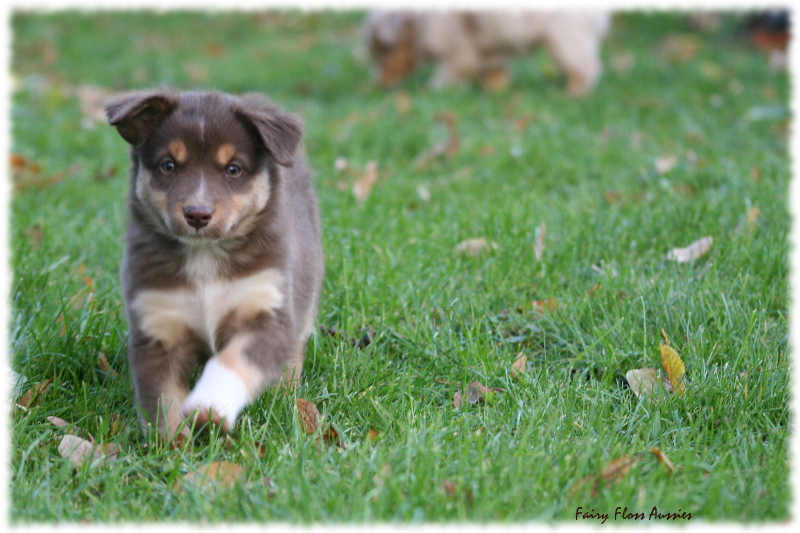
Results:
x,y
750,221
617,469
487,150
105,366
623,62
219,473
679,48
538,247
79,450
642,381
665,163
663,459
403,104
372,434
447,148
35,236
449,487
363,185
213,49
33,396
611,474
308,415
475,393
331,437
29,175
496,80
366,338
543,306
692,252
519,366
475,247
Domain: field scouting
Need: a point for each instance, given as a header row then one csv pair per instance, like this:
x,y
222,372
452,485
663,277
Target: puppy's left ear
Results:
x,y
279,130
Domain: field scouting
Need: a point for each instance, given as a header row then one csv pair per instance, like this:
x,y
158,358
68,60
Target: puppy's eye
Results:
x,y
169,166
233,170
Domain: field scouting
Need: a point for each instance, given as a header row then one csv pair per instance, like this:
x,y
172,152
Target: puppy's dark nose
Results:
x,y
197,216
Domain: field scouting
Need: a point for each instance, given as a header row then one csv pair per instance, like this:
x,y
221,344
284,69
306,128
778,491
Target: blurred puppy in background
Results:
x,y
467,45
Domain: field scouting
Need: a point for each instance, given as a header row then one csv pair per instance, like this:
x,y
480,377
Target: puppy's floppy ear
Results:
x,y
279,131
136,114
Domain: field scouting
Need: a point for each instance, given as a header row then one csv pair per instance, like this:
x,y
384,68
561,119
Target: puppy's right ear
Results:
x,y
136,114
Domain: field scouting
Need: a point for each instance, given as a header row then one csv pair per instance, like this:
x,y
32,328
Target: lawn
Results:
x,y
579,202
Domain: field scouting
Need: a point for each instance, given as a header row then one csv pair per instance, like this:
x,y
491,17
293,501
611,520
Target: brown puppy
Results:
x,y
465,45
223,258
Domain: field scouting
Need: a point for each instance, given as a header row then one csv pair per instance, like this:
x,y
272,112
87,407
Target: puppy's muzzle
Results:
x,y
197,216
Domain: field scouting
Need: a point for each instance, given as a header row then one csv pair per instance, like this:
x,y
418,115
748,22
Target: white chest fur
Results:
x,y
200,307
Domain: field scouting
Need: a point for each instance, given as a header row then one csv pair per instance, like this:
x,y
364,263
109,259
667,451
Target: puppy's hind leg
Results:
x,y
579,58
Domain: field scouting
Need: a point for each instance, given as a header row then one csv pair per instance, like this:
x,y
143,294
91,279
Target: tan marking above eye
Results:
x,y
225,153
178,151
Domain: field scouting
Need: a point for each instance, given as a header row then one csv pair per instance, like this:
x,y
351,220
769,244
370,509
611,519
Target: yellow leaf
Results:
x,y
673,365
662,457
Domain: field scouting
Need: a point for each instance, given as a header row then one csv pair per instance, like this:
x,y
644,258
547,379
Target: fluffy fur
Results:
x,y
466,45
223,258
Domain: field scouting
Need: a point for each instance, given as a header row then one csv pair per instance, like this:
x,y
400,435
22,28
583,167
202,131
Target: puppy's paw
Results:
x,y
218,397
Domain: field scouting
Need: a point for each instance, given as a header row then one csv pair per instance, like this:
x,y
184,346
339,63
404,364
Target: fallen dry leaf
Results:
x,y
364,184
674,367
449,487
663,459
538,247
475,394
403,104
35,236
692,252
519,366
542,306
79,450
665,163
331,437
58,422
680,48
642,381
447,148
475,247
105,366
308,415
220,473
372,434
34,395
496,80
617,469
623,62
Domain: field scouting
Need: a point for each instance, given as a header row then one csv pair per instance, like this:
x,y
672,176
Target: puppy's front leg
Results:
x,y
237,375
161,379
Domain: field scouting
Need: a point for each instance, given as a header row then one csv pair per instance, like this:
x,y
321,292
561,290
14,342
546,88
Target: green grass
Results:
x,y
528,156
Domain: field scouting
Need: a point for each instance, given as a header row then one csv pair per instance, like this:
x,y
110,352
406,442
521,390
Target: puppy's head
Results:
x,y
203,163
390,37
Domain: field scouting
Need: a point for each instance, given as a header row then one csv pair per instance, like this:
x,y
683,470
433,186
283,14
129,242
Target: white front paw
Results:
x,y
218,397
